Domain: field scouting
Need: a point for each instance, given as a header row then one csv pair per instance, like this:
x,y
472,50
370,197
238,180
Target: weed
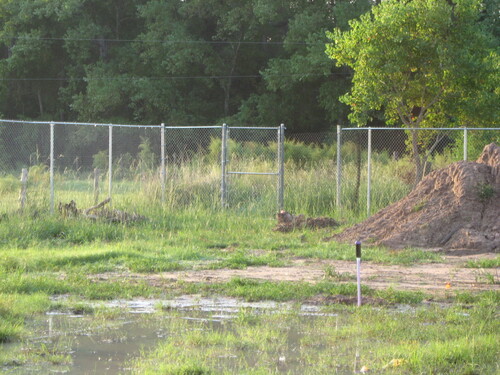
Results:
x,y
398,296
486,278
432,339
419,206
333,275
485,192
484,263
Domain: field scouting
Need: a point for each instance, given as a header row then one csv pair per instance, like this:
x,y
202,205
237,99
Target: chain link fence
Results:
x,y
139,166
377,166
210,167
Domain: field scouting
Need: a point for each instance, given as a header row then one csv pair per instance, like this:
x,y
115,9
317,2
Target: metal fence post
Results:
x,y
369,173
281,167
223,186
339,165
465,144
163,171
52,204
110,161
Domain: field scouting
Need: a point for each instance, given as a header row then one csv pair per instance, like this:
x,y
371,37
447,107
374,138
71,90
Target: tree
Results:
x,y
424,63
301,86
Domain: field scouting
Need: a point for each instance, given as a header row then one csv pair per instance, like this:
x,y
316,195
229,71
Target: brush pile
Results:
x,y
288,222
98,212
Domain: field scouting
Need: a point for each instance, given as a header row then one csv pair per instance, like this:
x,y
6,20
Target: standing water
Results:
x,y
94,344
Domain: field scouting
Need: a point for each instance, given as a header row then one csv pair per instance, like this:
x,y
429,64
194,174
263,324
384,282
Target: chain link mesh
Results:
x,y
252,168
393,168
192,160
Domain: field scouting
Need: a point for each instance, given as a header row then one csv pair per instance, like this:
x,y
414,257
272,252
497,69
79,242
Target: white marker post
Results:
x,y
358,269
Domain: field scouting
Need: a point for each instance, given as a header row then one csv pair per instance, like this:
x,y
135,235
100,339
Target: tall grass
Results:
x,y
193,182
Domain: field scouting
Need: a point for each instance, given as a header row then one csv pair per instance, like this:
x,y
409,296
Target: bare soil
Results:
x,y
434,278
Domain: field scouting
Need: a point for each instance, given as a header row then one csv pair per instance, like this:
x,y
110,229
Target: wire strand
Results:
x,y
159,41
85,79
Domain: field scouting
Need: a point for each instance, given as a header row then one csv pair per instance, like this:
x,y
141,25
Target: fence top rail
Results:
x,y
75,123
402,128
136,125
253,127
102,124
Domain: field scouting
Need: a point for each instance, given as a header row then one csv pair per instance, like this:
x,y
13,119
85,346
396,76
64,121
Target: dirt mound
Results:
x,y
457,207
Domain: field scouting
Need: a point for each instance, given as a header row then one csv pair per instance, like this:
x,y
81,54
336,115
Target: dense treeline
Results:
x,y
180,62
195,62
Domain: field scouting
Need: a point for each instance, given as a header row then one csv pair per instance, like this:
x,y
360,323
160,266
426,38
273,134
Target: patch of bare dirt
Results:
x,y
457,207
433,278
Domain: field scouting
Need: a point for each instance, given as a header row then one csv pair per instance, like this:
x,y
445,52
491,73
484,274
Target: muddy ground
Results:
x,y
437,279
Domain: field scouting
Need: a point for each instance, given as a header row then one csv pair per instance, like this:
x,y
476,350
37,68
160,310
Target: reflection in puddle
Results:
x,y
88,344
88,347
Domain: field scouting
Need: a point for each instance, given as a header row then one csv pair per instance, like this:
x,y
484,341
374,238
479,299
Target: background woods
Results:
x,y
244,62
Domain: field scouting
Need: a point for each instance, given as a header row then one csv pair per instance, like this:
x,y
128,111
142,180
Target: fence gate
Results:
x,y
256,153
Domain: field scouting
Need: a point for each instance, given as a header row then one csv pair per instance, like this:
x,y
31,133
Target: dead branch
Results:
x,y
97,212
288,222
104,202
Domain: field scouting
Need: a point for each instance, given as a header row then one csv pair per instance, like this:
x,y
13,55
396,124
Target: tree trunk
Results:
x,y
416,158
228,83
40,102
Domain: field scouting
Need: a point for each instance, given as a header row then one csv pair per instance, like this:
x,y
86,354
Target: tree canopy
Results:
x,y
249,62
422,62
179,62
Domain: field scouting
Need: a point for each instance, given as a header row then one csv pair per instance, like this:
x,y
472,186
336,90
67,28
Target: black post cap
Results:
x,y
358,249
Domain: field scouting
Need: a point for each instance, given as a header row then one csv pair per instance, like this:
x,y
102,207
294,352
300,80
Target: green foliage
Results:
x,y
404,58
408,64
484,263
14,309
146,156
417,340
100,160
179,62
485,192
9,184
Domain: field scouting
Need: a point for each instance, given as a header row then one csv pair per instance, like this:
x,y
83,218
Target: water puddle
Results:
x,y
93,344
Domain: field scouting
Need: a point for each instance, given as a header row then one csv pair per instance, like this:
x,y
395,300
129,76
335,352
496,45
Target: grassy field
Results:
x,y
53,256
44,256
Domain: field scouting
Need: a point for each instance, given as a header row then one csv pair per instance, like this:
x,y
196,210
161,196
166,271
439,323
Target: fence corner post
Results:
x,y
110,161
223,187
97,173
281,167
163,172
24,187
339,166
465,144
369,174
52,203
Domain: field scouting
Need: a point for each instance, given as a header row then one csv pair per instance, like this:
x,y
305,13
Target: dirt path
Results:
x,y
434,278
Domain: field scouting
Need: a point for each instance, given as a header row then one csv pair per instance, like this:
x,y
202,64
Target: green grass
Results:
x,y
43,256
55,256
15,308
422,340
484,263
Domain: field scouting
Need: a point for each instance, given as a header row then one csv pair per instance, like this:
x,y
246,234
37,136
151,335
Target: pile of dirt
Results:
x,y
288,222
457,207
